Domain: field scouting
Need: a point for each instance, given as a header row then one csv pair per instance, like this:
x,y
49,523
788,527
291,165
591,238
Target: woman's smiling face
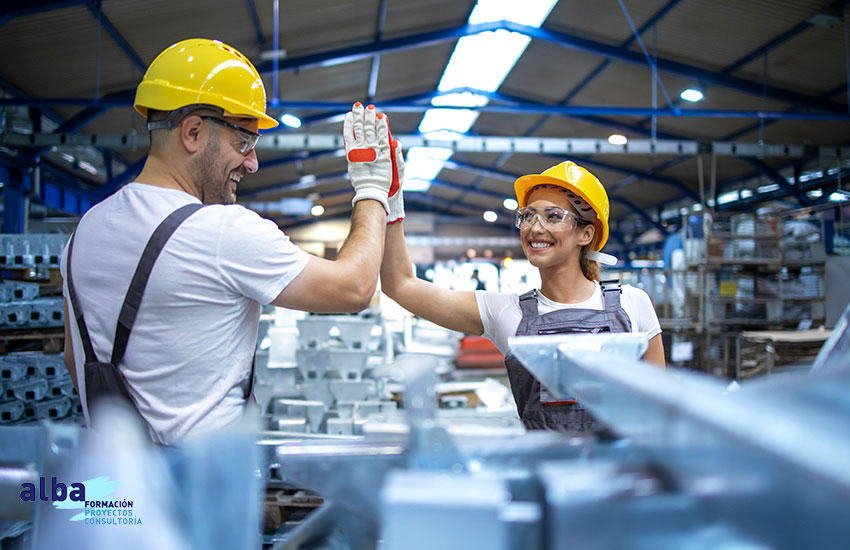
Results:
x,y
553,244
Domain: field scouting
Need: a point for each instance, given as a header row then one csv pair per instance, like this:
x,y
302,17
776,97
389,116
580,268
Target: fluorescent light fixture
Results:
x,y
727,197
815,194
510,204
768,188
290,120
838,197
691,94
697,207
88,167
490,216
317,210
746,193
617,139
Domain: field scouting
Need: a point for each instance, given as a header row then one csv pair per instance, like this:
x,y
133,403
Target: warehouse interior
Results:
x,y
720,131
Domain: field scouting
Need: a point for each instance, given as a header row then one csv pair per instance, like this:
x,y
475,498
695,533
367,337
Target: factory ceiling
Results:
x,y
771,72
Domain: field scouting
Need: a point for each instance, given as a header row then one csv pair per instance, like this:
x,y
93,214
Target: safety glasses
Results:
x,y
551,217
245,140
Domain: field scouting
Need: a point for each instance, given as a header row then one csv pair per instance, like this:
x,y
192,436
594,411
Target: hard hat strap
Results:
x,y
175,117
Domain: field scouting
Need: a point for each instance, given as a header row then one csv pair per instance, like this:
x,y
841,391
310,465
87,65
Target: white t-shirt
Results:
x,y
196,329
500,313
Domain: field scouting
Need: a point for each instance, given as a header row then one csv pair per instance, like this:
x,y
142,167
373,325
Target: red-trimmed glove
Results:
x,y
395,212
367,148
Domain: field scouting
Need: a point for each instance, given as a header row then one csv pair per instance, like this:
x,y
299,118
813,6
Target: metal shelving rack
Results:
x,y
742,272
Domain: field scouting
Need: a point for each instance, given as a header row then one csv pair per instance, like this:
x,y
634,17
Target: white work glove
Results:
x,y
367,148
395,199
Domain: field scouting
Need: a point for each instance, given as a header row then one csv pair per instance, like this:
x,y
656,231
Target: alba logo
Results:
x,y
59,491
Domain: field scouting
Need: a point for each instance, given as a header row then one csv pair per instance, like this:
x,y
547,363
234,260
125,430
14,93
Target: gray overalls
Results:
x,y
537,408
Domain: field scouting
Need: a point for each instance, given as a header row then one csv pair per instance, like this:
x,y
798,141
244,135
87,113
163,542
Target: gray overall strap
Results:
x,y
78,311
611,291
131,303
528,304
537,408
130,308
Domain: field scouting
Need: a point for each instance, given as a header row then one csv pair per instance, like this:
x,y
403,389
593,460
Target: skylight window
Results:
x,y
422,166
480,62
455,120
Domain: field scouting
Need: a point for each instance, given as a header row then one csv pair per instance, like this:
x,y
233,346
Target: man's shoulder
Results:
x,y
234,215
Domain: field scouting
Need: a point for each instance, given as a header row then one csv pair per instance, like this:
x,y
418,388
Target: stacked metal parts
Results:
x,y
31,250
22,308
330,387
22,305
34,386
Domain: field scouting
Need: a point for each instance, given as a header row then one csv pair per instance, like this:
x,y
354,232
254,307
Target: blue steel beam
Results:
x,y
675,184
345,55
366,51
18,93
759,198
294,185
290,159
487,172
640,212
14,201
95,6
124,177
602,66
777,41
600,121
255,20
520,108
73,124
777,178
340,176
675,67
376,59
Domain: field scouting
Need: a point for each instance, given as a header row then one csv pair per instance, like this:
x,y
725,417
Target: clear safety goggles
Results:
x,y
244,140
551,217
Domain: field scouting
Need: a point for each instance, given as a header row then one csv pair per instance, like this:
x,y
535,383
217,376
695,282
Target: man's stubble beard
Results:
x,y
209,177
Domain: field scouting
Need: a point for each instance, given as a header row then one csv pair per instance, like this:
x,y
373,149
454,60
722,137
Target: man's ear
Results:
x,y
587,233
193,133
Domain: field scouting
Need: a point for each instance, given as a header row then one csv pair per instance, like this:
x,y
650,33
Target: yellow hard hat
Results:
x,y
205,72
573,177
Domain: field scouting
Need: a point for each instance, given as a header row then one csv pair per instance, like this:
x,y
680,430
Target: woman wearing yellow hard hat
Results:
x,y
563,224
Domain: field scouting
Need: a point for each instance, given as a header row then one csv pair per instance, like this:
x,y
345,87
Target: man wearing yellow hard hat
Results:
x,y
164,280
563,224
